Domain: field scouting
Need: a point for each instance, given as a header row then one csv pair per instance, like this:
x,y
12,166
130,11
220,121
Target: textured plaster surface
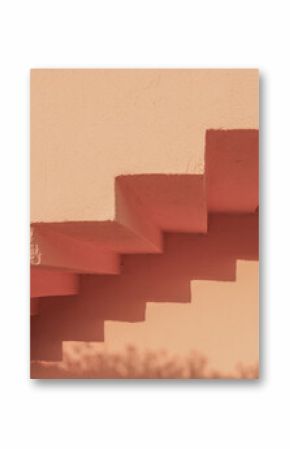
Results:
x,y
89,126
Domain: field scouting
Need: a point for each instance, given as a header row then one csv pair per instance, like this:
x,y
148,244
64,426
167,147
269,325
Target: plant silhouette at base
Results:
x,y
132,364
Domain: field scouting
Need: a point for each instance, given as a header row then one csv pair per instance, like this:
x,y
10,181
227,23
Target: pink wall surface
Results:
x,y
90,126
144,219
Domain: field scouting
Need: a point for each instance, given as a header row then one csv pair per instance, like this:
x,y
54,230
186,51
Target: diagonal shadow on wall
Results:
x,y
150,277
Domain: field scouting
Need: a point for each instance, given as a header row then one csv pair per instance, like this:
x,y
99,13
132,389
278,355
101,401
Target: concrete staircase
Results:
x,y
168,229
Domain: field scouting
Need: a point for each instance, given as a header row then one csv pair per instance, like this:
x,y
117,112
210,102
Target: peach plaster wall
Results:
x,y
87,128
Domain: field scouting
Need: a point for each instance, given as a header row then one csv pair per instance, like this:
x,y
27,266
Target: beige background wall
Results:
x,y
88,126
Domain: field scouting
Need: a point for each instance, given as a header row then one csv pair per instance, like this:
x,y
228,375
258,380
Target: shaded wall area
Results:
x,y
160,278
220,322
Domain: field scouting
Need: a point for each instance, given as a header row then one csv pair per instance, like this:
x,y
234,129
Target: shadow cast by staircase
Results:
x,y
151,277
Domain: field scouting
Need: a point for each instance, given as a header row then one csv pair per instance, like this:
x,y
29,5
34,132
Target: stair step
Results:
x,y
51,249
232,170
52,283
175,203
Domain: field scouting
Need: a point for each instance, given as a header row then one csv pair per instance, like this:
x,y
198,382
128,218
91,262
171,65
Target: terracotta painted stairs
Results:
x,y
168,229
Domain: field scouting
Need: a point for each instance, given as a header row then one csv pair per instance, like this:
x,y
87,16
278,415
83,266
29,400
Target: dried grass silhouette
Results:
x,y
132,364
